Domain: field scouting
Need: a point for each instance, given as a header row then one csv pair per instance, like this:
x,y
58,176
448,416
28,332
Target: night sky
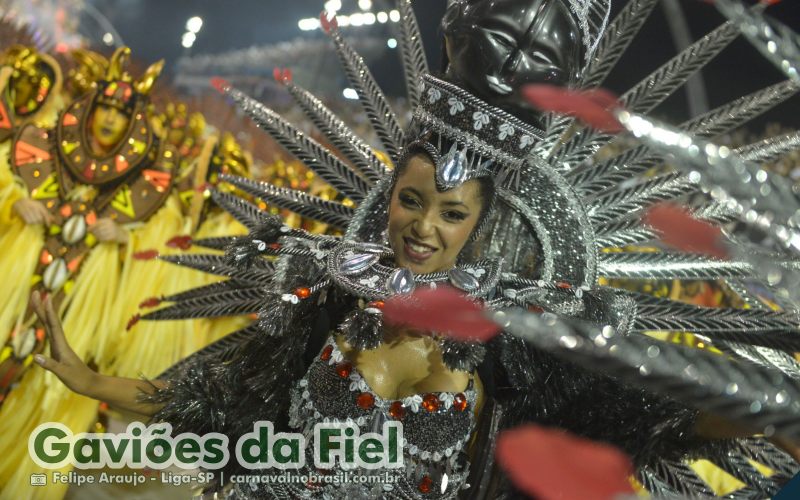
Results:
x,y
153,29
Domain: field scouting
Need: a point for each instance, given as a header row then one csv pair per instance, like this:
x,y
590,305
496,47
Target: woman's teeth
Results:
x,y
420,248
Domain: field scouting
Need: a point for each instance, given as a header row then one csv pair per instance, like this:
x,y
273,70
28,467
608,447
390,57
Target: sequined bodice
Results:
x,y
436,430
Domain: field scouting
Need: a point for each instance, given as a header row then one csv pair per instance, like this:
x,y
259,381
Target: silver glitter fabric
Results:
x,y
574,353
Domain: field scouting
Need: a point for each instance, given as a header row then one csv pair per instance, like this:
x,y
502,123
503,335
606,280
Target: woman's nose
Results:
x,y
423,226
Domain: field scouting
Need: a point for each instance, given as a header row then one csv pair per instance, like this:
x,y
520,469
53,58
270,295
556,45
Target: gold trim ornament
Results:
x,y
117,90
28,82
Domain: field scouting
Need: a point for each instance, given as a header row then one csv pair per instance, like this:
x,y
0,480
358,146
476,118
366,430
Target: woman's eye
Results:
x,y
408,201
454,215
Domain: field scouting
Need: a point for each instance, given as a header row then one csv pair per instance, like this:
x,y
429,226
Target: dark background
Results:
x,y
153,29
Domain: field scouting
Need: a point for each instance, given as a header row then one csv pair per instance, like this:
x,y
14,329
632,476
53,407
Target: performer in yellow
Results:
x,y
149,348
85,184
30,84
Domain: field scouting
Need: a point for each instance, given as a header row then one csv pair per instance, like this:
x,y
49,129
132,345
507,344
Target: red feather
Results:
x,y
221,84
444,310
593,107
553,464
682,231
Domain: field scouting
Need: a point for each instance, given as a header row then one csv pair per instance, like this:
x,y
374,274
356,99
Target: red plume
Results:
x,y
282,75
183,242
328,24
444,310
593,107
222,85
145,255
552,464
682,231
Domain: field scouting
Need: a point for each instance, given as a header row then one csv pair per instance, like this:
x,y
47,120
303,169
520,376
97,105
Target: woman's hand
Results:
x,y
123,393
106,230
32,212
65,364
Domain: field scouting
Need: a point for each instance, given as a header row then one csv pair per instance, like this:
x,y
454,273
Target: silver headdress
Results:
x,y
562,223
592,16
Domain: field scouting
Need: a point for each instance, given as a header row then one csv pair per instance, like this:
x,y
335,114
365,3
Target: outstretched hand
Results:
x,y
64,363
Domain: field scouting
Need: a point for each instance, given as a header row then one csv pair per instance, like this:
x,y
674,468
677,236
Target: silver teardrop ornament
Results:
x,y
453,168
463,280
357,263
401,281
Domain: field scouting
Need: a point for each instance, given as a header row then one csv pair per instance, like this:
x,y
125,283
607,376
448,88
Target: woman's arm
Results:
x,y
123,393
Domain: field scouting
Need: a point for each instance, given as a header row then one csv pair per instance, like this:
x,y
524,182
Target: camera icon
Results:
x,y
38,479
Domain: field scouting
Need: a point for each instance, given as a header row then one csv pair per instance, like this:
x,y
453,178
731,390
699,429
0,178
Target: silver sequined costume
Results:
x,y
579,362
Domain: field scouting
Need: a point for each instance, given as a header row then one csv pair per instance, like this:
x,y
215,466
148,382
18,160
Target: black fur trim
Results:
x,y
464,356
242,252
363,329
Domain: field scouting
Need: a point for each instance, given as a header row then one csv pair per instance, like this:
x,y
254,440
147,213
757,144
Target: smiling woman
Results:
x,y
429,227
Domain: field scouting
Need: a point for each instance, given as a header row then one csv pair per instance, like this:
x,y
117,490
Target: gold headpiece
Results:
x,y
233,159
91,67
118,88
39,72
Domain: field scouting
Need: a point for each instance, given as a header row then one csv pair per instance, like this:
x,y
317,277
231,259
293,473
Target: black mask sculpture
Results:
x,y
494,47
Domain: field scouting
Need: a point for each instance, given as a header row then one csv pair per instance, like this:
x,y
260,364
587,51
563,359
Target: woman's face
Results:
x,y
108,125
428,228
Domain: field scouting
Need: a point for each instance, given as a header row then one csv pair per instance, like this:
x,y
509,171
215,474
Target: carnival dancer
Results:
x,y
86,181
465,171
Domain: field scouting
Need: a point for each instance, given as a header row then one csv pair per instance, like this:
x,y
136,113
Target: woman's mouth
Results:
x,y
417,251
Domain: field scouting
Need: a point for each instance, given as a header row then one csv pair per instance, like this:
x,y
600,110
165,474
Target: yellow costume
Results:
x,y
100,165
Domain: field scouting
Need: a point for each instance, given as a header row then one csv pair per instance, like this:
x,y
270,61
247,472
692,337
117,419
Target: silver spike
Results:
x,y
383,119
776,41
771,149
341,136
616,40
412,51
306,205
651,91
242,210
623,203
661,265
703,380
590,179
316,157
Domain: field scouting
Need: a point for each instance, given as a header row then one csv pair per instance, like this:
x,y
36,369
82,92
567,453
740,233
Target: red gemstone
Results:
x,y
303,292
377,304
460,402
396,410
563,284
326,353
365,400
425,484
274,246
535,309
430,402
344,369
